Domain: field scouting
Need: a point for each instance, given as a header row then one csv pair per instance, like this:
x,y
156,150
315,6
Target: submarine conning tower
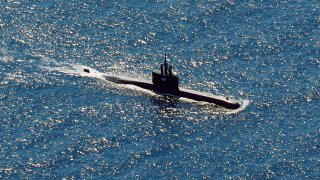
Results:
x,y
166,79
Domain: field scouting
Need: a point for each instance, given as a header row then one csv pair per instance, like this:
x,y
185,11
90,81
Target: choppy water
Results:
x,y
57,122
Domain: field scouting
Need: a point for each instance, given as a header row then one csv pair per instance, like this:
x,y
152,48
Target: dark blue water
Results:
x,y
57,122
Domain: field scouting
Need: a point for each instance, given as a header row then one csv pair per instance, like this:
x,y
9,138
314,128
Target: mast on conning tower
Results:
x,y
161,69
165,65
170,70
166,69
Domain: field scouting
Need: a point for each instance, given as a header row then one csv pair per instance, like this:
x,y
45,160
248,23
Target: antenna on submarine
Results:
x,y
165,65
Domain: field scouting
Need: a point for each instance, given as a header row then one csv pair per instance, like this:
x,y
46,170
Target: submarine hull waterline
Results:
x,y
179,92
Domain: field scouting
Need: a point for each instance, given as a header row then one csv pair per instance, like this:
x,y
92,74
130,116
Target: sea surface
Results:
x,y
58,122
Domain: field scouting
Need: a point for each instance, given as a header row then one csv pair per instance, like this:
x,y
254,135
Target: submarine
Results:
x,y
167,83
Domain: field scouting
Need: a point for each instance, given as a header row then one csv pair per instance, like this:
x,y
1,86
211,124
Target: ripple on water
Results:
x,y
58,122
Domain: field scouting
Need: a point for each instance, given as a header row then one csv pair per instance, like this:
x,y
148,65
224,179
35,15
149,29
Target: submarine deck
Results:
x,y
180,92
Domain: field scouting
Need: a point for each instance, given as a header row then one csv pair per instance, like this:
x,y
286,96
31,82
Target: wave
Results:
x,y
70,68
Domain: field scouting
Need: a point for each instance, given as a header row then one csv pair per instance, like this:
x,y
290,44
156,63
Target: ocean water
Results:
x,y
57,122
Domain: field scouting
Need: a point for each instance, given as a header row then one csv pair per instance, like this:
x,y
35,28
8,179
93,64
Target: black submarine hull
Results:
x,y
179,92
